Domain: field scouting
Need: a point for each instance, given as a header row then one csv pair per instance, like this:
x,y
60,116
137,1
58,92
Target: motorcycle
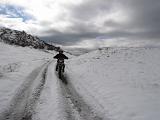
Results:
x,y
60,68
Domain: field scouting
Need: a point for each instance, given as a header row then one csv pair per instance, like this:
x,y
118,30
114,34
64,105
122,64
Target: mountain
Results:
x,y
21,38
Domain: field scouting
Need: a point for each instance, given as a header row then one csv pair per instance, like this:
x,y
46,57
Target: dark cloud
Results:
x,y
73,38
89,9
69,38
144,15
143,23
111,23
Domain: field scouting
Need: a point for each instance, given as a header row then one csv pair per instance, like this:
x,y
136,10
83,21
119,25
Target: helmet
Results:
x,y
60,51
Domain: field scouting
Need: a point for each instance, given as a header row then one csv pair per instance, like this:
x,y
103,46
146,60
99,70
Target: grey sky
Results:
x,y
106,21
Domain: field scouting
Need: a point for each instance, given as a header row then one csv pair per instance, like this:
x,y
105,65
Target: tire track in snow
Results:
x,y
23,103
76,108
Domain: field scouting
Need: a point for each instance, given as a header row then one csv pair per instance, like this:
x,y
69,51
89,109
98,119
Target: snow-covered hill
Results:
x,y
16,63
106,84
23,39
125,82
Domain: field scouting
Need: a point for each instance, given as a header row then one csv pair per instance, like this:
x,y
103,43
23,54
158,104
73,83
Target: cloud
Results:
x,y
81,22
90,9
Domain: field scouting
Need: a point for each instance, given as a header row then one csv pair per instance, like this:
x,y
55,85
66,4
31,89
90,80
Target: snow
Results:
x,y
124,81
16,64
105,84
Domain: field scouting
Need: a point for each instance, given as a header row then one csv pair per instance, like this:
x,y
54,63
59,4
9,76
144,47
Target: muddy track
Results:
x,y
76,107
23,103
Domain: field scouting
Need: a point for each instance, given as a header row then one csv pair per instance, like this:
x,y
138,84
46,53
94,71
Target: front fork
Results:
x,y
62,65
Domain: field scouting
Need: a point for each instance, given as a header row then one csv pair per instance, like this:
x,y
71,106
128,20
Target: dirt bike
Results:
x,y
60,66
60,69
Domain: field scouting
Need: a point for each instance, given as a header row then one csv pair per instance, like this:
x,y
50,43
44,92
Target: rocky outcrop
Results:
x,y
21,38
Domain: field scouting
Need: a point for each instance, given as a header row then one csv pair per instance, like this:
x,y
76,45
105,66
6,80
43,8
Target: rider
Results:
x,y
60,58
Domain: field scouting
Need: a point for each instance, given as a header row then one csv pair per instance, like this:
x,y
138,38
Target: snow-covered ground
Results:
x,y
106,84
125,82
16,64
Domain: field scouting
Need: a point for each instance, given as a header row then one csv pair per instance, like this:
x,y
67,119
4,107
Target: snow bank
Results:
x,y
124,83
16,63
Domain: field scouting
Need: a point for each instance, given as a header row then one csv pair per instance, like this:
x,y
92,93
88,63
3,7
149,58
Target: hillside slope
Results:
x,y
124,81
21,38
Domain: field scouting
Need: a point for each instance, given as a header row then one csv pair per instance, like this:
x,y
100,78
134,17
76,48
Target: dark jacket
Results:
x,y
60,56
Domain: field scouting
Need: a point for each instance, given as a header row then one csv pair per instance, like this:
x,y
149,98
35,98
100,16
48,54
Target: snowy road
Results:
x,y
23,104
75,106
